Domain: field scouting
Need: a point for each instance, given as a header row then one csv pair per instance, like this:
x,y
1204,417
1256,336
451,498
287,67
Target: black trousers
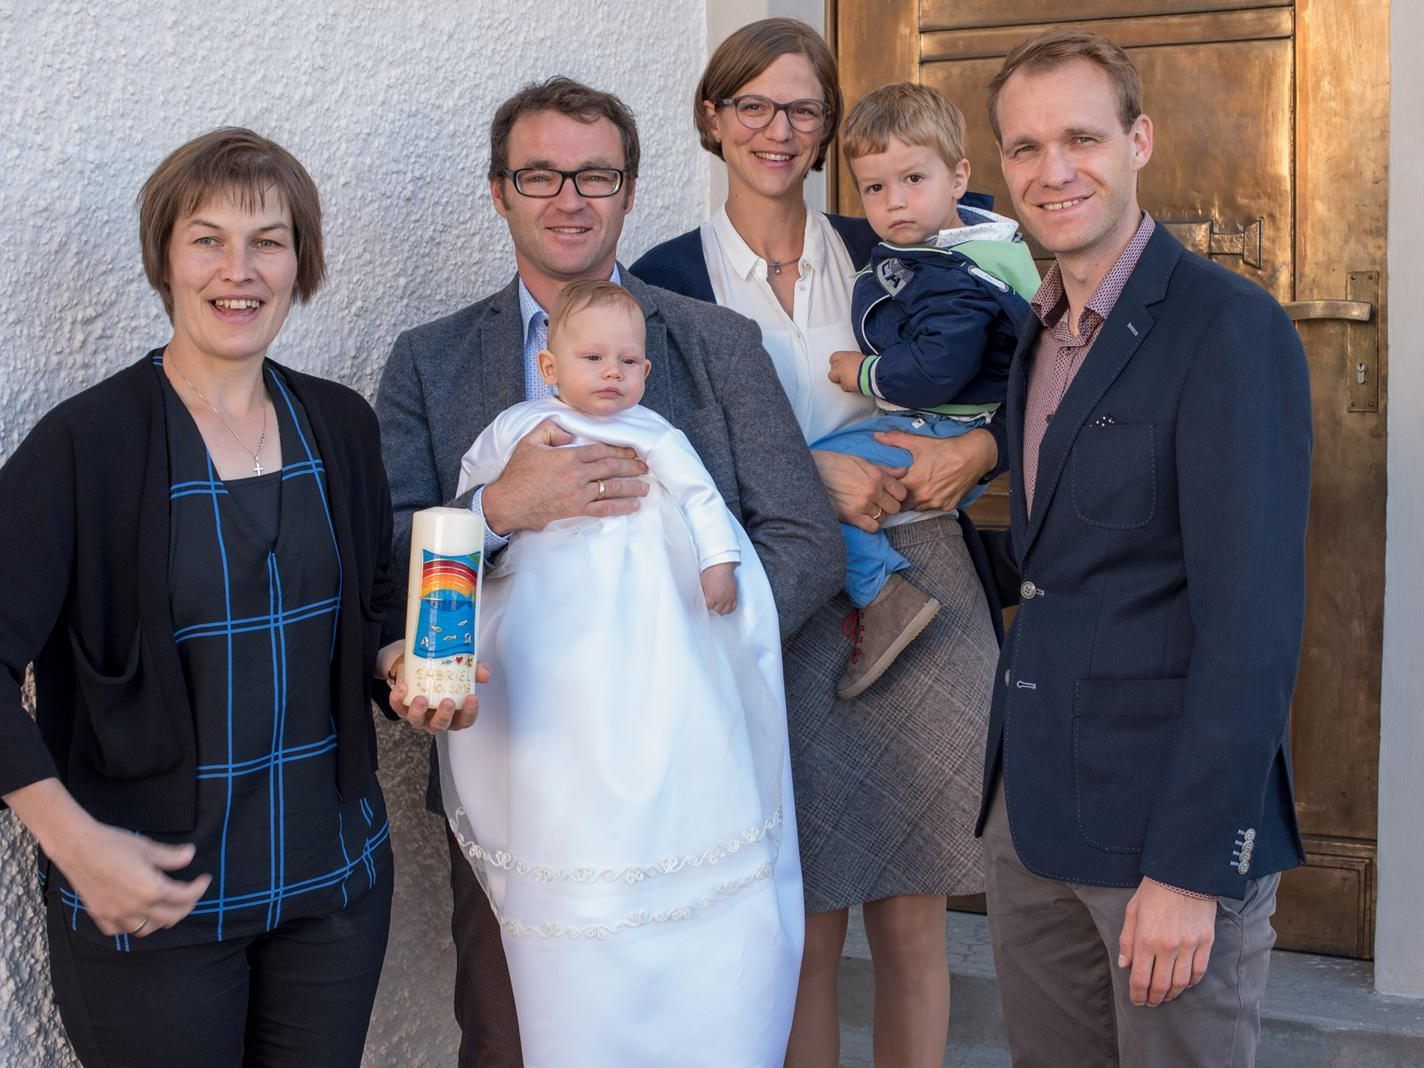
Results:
x,y
298,995
484,999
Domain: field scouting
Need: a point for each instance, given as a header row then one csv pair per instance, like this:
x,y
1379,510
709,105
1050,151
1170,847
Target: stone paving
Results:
x,y
1320,1012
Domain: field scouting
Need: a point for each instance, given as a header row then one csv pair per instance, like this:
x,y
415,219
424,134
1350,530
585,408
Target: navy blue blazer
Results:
x,y
679,265
1140,715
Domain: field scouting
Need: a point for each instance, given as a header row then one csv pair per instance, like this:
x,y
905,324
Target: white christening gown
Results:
x,y
625,793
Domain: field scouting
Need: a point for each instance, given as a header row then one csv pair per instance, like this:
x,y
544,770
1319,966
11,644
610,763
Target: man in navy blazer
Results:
x,y
1137,789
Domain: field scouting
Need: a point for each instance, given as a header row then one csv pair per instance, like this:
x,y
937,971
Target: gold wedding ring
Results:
x,y
139,928
602,489
878,514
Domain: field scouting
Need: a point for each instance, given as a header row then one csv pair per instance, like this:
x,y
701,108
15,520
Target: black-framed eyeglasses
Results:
x,y
757,112
546,182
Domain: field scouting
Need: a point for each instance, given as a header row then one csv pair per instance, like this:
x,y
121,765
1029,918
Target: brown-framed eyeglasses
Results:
x,y
757,112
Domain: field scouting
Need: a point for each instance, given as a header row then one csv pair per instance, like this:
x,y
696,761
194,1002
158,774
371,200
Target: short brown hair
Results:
x,y
1052,49
229,160
566,97
748,52
918,115
589,293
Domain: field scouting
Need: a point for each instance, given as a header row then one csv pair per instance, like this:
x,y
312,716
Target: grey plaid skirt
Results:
x,y
887,785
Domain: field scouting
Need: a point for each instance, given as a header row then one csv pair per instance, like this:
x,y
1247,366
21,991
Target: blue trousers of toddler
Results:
x,y
870,558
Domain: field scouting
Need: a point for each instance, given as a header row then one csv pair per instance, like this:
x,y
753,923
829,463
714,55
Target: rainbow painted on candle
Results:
x,y
446,623
455,575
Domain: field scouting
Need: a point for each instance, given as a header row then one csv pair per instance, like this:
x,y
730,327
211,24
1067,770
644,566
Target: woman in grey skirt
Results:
x,y
887,784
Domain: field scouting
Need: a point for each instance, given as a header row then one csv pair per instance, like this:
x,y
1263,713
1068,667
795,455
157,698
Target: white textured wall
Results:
x,y
387,102
1399,939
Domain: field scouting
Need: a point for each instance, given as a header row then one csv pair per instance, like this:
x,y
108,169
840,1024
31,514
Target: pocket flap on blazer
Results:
x,y
1128,697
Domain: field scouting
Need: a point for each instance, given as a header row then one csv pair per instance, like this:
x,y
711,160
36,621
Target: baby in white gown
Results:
x,y
625,794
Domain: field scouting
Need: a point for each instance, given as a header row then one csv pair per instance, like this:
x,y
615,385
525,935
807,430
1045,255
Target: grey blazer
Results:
x,y
446,380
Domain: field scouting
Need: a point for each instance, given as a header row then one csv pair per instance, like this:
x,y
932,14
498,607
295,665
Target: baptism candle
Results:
x,y
442,603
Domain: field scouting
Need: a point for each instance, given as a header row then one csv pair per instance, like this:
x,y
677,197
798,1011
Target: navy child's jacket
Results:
x,y
941,329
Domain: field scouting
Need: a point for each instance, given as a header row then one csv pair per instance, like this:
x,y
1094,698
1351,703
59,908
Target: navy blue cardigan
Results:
x,y
679,265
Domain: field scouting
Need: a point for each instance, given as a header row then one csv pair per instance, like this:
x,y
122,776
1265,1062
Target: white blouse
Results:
x,y
800,344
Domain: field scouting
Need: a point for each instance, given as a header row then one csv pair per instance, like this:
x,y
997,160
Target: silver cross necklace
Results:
x,y
261,438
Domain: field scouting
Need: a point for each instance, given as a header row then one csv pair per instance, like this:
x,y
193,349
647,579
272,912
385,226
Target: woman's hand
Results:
x,y
861,492
845,370
719,588
943,469
117,874
442,717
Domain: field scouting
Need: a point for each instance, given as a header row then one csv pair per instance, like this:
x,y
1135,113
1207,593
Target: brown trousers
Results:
x,y
1066,1003
484,999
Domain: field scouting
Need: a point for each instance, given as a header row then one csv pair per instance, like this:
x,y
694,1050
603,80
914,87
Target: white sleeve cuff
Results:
x,y
730,556
493,542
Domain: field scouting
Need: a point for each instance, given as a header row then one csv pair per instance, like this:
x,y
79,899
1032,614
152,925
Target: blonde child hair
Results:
x,y
914,114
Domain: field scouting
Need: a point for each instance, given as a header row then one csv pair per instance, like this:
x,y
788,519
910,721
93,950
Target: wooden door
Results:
x,y
1272,146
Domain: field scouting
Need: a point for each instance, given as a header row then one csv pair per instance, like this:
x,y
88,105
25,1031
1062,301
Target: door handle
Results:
x,y
1361,342
1355,310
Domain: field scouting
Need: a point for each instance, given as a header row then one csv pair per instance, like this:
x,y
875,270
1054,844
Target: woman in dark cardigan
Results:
x,y
196,564
887,784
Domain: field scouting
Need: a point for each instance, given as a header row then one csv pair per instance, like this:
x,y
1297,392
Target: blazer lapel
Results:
x,y
499,361
1122,335
658,393
1015,406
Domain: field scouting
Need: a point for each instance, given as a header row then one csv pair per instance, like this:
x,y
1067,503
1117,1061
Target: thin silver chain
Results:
x,y
261,438
776,265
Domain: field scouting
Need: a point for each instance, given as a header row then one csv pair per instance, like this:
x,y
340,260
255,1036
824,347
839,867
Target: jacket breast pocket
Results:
x,y
1123,730
1113,475
129,732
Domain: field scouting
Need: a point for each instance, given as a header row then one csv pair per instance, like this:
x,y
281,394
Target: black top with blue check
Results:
x,y
254,606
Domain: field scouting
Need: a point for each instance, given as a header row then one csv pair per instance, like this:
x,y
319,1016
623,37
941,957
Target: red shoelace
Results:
x,y
851,624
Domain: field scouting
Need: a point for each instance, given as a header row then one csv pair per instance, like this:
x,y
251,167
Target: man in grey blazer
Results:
x,y
563,170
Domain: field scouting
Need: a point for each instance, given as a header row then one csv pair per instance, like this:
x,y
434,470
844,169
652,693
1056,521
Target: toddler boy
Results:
x,y
937,313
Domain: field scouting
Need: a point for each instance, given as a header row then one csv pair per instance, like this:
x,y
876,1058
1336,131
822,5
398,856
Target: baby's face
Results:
x,y
597,360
